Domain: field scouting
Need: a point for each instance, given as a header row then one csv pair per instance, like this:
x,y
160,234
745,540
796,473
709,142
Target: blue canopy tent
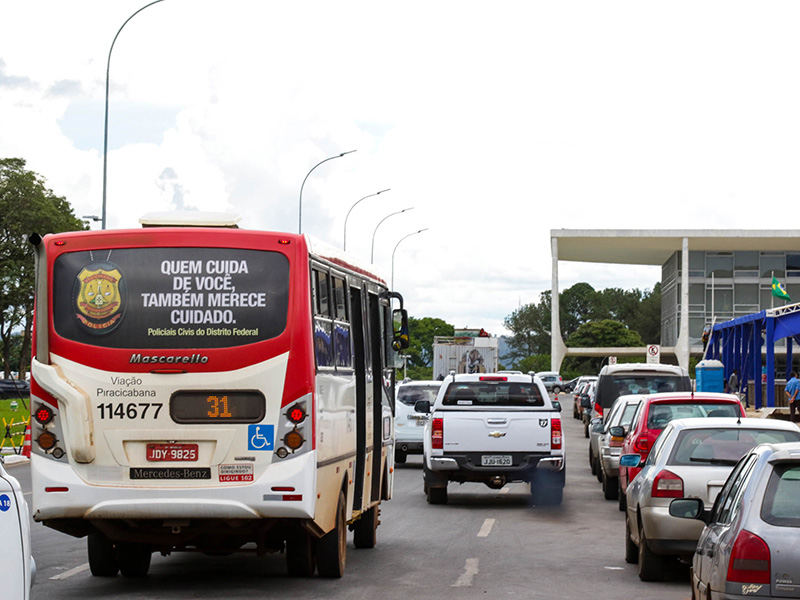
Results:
x,y
738,344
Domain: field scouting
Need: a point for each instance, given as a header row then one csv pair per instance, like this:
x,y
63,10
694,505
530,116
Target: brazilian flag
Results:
x,y
778,290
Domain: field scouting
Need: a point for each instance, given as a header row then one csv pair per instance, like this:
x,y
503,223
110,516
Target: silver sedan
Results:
x,y
691,458
749,546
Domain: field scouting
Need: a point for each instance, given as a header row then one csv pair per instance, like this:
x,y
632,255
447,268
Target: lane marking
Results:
x,y
615,568
505,490
486,528
71,572
470,570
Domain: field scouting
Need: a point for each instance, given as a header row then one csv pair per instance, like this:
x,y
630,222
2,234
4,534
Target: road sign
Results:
x,y
653,353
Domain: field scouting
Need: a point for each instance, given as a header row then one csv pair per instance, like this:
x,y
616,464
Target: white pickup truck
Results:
x,y
493,429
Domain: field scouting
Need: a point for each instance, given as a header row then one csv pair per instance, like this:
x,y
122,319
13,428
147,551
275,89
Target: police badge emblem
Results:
x,y
99,297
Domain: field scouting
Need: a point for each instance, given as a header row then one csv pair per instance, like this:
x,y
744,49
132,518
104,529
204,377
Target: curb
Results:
x,y
13,460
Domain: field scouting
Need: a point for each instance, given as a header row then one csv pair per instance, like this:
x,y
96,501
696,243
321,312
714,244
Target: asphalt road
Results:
x,y
483,544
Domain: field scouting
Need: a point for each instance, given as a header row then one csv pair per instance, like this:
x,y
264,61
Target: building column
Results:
x,y
682,345
558,349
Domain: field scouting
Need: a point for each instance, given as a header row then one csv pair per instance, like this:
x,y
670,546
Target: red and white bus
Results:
x,y
210,388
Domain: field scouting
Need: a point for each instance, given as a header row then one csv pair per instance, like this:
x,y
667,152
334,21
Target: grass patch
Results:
x,y
17,416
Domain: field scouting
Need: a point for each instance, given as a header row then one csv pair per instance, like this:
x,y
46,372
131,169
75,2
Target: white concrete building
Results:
x,y
706,274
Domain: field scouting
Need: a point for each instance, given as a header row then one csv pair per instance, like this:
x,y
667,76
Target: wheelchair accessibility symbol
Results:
x,y
260,437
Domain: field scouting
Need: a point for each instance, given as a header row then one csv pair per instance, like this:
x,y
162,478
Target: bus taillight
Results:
x,y
43,415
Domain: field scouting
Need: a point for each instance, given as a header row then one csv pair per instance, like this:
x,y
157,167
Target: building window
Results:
x,y
773,265
719,264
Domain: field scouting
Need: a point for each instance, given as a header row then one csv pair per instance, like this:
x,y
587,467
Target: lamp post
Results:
x,y
372,252
344,244
300,206
105,124
395,250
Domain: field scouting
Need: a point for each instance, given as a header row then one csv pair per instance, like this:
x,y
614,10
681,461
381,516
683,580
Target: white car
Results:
x,y
17,569
408,423
690,458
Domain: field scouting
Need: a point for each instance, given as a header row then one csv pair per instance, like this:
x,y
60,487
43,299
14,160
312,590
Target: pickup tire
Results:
x,y
547,489
399,457
436,495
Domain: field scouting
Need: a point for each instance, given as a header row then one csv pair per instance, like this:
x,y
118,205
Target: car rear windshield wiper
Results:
x,y
715,461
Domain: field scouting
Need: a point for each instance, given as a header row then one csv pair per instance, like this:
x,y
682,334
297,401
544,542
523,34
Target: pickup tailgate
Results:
x,y
491,432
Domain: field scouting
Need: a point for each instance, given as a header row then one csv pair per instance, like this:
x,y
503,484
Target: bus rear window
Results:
x,y
167,298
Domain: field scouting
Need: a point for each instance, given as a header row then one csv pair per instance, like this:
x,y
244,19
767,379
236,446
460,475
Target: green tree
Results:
x,y
530,326
604,334
420,350
26,206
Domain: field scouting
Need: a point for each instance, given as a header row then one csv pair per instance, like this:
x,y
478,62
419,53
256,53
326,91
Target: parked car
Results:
x,y
692,457
408,423
622,379
578,389
749,543
587,403
569,386
653,414
607,448
17,569
14,388
552,381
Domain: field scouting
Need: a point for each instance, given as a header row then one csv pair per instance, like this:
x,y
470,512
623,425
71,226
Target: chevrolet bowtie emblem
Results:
x,y
497,434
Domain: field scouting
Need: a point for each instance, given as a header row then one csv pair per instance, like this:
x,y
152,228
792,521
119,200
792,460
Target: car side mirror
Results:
x,y
597,425
556,405
630,460
422,406
689,508
617,431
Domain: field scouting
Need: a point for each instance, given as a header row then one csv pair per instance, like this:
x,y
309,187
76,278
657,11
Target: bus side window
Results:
x,y
323,326
341,327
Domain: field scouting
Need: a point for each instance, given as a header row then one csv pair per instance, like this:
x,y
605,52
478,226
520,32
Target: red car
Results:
x,y
653,414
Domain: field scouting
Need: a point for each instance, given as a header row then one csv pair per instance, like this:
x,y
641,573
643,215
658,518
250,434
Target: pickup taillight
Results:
x,y
555,434
598,409
437,434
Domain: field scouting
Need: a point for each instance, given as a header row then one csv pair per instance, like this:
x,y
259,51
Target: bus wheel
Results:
x,y
301,559
365,529
102,556
332,547
134,559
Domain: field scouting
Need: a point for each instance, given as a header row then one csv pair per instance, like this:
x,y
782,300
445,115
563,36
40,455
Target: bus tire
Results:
x,y
332,547
301,559
365,529
134,559
102,556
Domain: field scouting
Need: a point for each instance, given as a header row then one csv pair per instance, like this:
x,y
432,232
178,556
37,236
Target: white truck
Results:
x,y
469,351
493,429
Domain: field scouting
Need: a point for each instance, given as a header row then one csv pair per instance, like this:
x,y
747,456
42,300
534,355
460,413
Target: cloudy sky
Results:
x,y
495,121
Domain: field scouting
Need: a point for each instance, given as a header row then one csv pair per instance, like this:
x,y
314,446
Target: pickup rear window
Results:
x,y
492,393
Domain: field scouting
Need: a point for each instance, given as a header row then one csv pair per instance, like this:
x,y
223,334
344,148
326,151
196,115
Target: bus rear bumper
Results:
x,y
285,490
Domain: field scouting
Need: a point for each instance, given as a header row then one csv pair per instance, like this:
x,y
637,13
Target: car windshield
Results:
x,y
660,414
411,394
723,446
781,504
492,393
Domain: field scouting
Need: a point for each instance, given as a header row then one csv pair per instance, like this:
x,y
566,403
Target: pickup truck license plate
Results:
x,y
171,452
494,460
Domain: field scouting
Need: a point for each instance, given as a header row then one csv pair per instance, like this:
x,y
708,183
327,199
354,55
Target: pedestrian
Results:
x,y
792,387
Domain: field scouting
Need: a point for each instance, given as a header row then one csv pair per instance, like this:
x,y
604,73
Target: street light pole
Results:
x,y
300,206
395,250
344,244
105,123
372,253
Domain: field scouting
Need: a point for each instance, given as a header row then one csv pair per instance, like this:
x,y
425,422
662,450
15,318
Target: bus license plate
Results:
x,y
171,452
503,460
